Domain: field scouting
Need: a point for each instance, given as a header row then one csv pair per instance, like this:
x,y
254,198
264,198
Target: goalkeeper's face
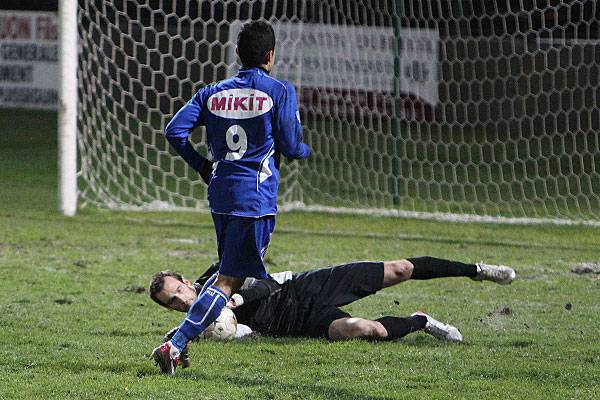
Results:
x,y
177,295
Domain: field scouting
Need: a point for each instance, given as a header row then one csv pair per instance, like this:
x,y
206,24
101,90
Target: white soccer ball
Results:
x,y
223,328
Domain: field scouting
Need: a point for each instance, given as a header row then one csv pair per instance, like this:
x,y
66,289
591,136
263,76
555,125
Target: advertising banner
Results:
x,y
419,57
353,58
29,53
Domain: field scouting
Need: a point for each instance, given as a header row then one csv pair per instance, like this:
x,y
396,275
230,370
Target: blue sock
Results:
x,y
204,311
209,282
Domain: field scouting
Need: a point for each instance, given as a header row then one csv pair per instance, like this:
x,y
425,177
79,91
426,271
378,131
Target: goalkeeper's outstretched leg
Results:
x,y
390,328
421,268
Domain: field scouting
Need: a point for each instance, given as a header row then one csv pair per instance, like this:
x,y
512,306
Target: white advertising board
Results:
x,y
29,53
353,58
419,58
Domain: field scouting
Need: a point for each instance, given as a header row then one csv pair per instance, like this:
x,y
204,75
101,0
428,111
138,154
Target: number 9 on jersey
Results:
x,y
237,142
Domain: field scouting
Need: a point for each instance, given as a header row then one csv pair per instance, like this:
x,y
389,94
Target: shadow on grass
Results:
x,y
519,344
265,388
299,390
423,340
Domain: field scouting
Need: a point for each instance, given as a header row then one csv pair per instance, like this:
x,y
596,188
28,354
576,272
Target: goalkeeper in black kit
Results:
x,y
306,304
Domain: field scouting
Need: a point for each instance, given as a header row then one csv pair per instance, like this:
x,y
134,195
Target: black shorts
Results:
x,y
322,291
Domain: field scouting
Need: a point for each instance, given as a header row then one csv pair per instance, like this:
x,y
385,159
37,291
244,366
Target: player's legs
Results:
x,y
385,328
335,324
228,284
395,272
398,271
438,329
343,284
339,285
203,312
430,267
242,243
390,328
355,328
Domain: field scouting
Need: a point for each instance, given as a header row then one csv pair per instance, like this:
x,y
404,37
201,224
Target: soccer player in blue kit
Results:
x,y
250,119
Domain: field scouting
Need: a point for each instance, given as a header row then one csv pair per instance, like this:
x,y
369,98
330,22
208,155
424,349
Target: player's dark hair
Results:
x,y
158,282
254,41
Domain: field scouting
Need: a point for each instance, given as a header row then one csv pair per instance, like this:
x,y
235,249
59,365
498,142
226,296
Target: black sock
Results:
x,y
430,267
398,327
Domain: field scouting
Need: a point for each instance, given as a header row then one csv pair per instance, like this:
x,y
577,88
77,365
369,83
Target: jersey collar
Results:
x,y
250,70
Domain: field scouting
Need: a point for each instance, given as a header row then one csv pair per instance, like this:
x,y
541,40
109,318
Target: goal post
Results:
x,y
425,108
67,111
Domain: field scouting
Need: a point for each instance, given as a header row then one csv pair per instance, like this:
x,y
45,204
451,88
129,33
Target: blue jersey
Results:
x,y
250,118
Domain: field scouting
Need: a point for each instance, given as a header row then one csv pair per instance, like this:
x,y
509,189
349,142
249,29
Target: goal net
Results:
x,y
475,109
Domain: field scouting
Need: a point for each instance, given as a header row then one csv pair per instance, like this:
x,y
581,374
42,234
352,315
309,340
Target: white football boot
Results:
x,y
495,273
439,330
167,357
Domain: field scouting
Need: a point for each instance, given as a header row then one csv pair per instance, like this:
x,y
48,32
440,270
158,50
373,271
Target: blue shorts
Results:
x,y
242,243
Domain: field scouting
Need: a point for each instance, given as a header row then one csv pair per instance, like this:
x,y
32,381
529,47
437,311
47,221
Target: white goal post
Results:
x,y
449,109
67,110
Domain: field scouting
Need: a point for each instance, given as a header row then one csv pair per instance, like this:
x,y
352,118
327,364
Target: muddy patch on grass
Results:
x,y
499,319
501,311
183,240
586,268
183,254
81,263
134,289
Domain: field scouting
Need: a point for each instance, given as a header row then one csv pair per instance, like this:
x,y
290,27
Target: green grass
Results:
x,y
72,327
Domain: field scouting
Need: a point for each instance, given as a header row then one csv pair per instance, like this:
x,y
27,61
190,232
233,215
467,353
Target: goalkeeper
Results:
x,y
307,304
250,119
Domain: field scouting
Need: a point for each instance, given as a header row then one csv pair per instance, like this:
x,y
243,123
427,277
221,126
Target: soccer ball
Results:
x,y
223,328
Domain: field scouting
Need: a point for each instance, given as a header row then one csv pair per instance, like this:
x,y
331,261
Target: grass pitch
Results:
x,y
76,321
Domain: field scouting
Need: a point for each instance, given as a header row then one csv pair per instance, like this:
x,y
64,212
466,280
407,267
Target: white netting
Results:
x,y
417,106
